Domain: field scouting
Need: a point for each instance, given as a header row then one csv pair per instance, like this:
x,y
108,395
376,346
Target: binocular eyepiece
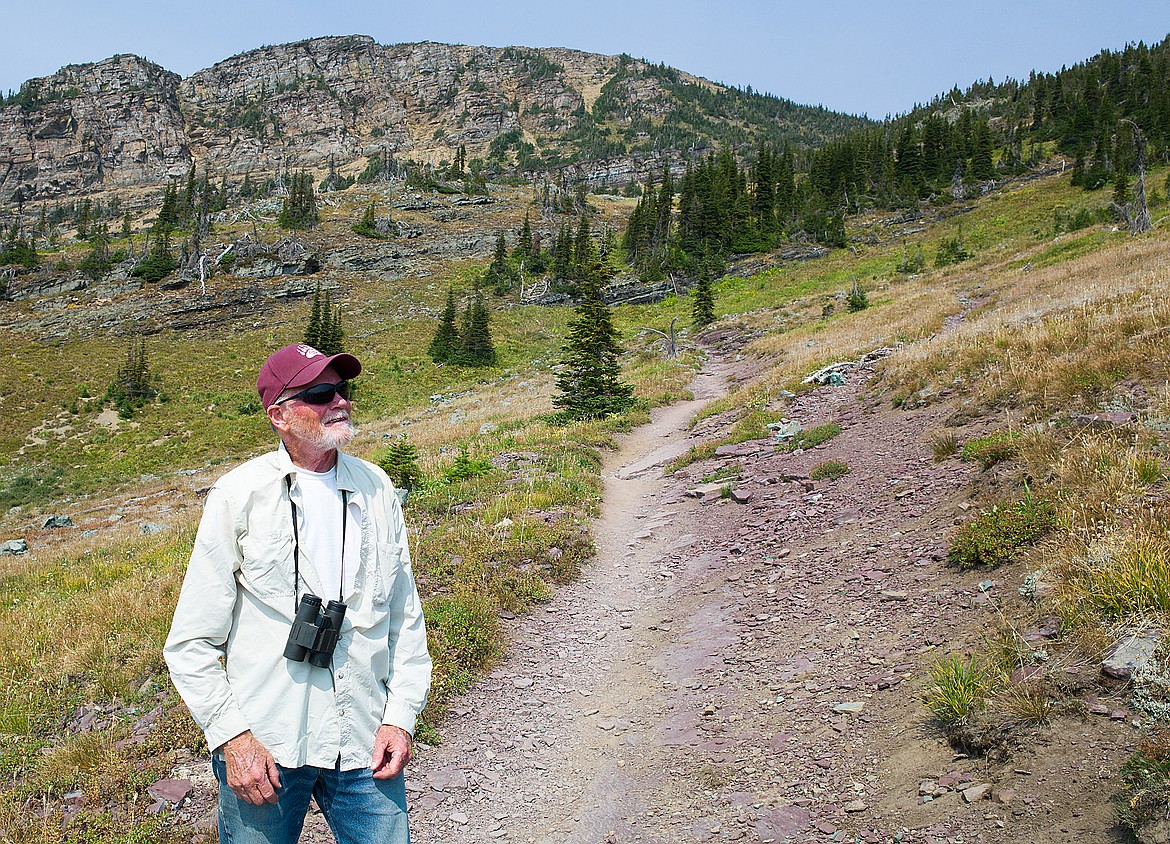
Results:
x,y
314,632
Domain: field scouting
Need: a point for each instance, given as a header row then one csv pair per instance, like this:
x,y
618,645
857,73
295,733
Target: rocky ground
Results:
x,y
752,670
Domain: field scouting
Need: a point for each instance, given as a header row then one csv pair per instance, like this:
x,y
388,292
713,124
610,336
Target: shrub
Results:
x,y
465,466
155,266
993,537
830,470
996,447
1146,777
465,623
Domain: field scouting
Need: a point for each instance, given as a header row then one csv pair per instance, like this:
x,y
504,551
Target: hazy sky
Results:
x,y
861,57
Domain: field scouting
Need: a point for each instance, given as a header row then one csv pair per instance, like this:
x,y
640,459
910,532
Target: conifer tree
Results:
x,y
313,329
400,463
367,226
299,209
475,338
584,255
590,383
523,249
445,343
563,256
83,219
168,213
332,335
703,299
131,386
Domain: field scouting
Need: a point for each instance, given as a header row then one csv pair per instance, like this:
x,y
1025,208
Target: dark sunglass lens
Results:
x,y
320,394
324,393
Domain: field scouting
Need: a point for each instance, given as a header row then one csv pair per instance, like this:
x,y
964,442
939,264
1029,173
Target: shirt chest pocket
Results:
x,y
267,568
388,565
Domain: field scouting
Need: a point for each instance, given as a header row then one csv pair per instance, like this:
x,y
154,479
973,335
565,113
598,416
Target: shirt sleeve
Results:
x,y
410,661
203,619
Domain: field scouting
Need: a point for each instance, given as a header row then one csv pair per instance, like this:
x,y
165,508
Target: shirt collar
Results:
x,y
345,479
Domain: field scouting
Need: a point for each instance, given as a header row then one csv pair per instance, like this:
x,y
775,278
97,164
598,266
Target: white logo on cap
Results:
x,y
308,351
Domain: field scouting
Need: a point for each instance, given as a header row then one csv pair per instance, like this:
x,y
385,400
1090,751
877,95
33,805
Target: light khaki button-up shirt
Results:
x,y
225,650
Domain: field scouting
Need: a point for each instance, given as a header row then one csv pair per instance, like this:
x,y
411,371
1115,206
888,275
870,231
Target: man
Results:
x,y
329,711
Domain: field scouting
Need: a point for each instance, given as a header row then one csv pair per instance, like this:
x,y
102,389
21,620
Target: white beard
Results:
x,y
315,432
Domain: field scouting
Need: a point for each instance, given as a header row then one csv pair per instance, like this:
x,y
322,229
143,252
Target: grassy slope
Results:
x,y
72,638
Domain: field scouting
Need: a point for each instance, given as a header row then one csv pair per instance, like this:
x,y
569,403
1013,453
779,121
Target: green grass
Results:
x,y
995,536
996,447
811,438
830,470
959,685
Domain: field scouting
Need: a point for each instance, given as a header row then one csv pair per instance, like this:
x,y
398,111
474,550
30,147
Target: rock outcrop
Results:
x,y
125,121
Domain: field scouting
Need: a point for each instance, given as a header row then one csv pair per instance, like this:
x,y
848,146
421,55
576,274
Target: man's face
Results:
x,y
320,426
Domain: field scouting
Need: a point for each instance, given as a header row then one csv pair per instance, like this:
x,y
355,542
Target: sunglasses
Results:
x,y
322,393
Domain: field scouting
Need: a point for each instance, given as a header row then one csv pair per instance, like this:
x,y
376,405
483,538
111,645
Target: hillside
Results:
x,y
880,555
126,122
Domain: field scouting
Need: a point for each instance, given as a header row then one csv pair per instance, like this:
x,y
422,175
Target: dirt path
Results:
x,y
752,671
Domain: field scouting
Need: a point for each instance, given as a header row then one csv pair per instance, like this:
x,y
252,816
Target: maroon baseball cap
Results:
x,y
298,366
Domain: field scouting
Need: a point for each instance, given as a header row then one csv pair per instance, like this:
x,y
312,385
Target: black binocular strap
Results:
x,y
297,543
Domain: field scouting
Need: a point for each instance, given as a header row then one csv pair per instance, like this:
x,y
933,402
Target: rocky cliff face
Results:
x,y
109,124
125,121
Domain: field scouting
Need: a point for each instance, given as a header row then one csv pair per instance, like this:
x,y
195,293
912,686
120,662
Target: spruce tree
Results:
x,y
367,226
523,249
703,299
400,463
562,266
333,336
313,329
445,343
299,209
590,383
475,338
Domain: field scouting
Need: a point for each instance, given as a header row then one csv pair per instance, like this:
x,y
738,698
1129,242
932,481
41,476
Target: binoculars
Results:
x,y
314,632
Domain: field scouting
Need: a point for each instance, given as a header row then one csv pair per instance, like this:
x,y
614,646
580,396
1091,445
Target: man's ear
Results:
x,y
276,417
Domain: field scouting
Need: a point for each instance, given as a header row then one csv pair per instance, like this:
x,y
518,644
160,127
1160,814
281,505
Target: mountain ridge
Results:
x,y
333,101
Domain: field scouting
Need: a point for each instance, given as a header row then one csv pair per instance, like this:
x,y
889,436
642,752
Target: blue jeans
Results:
x,y
358,808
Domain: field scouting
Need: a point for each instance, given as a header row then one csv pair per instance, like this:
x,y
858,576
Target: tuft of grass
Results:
x,y
1129,580
996,447
995,536
692,455
942,444
811,438
959,685
1147,469
830,470
725,473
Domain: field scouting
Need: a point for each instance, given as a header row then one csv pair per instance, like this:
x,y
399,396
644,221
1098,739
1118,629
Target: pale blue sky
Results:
x,y
873,57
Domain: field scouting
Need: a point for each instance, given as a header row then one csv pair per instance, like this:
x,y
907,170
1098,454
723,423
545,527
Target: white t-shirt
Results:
x,y
321,538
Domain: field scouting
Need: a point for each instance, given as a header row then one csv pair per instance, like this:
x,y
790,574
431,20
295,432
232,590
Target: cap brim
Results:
x,y
345,365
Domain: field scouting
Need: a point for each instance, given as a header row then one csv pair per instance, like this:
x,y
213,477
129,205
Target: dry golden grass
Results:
x,y
1057,338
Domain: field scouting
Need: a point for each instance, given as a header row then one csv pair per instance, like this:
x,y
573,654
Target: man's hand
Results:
x,y
391,752
252,774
